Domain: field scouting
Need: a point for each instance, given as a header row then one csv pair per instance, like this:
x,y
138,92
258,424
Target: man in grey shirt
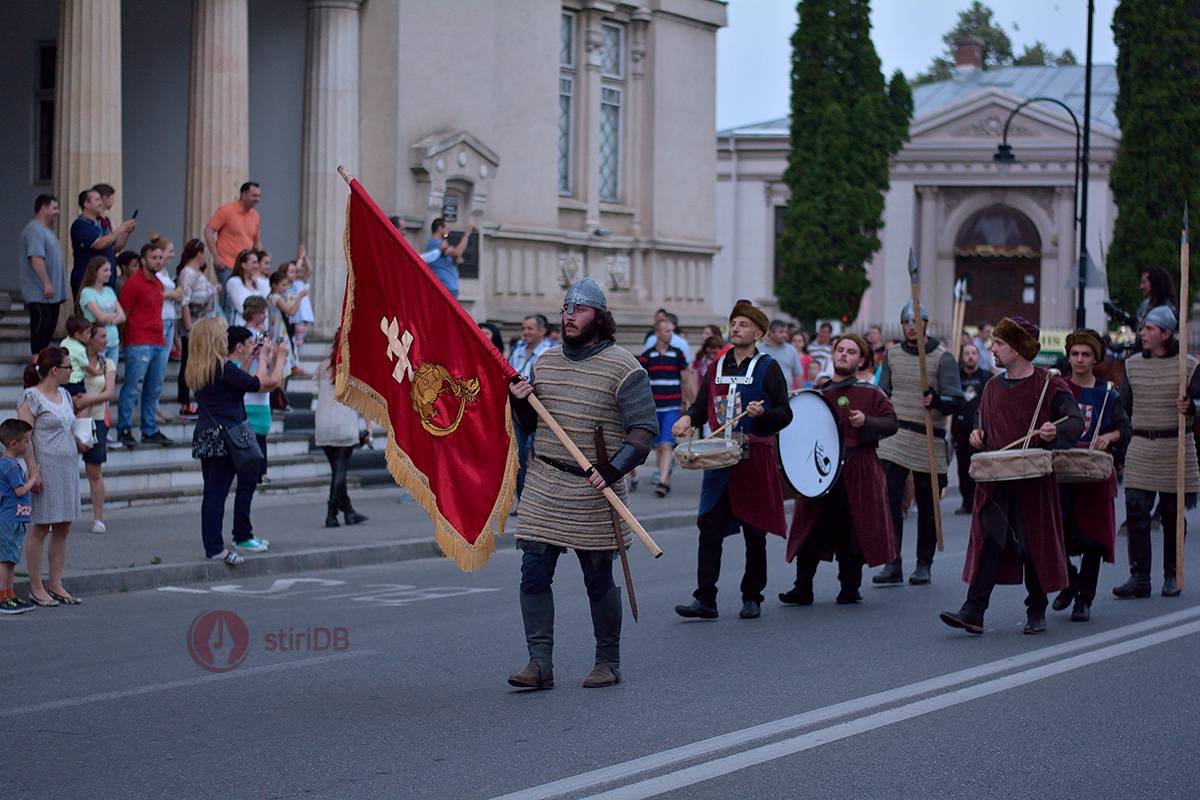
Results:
x,y
42,276
776,345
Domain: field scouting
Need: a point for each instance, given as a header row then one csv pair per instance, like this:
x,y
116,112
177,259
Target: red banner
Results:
x,y
412,360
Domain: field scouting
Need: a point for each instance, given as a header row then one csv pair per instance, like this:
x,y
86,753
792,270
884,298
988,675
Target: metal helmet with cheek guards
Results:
x,y
906,313
585,292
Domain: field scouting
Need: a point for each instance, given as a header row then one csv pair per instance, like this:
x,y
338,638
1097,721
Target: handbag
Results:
x,y
85,431
241,443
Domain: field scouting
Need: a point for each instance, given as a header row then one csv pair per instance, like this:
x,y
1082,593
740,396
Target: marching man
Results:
x,y
1089,517
585,383
1150,396
858,531
747,495
1017,525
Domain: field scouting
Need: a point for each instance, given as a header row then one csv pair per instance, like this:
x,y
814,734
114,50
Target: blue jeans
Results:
x,y
524,453
113,353
145,364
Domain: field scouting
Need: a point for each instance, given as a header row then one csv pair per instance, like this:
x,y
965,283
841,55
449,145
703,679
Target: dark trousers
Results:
x,y
717,523
980,592
185,395
539,561
1083,579
1138,505
43,319
524,453
962,461
896,475
218,478
339,465
833,524
262,445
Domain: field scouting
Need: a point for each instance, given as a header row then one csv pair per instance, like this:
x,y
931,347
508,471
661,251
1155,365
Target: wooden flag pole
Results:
x,y
575,452
1181,449
934,484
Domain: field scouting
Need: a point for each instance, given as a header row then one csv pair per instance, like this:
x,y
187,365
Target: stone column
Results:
x,y
927,256
218,147
87,105
331,137
589,118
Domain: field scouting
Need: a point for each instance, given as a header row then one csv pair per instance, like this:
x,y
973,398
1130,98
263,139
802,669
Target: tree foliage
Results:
x,y
979,20
1158,163
845,126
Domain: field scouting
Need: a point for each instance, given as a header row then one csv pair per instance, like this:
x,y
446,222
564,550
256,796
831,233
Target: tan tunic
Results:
x,y
908,448
557,507
1150,464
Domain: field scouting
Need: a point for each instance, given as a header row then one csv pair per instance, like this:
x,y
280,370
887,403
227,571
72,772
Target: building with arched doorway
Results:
x,y
1010,232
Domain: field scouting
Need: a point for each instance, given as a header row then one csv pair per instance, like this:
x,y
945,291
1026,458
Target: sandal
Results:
x,y
662,489
229,557
51,603
66,600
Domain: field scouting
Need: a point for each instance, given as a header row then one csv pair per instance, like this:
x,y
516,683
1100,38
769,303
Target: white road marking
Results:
x,y
72,702
182,590
746,736
808,741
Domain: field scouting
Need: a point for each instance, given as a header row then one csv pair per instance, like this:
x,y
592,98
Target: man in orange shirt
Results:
x,y
234,227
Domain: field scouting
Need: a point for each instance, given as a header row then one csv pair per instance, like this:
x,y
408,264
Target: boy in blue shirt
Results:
x,y
15,509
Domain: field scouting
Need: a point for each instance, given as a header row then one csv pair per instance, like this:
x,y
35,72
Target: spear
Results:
x,y
1180,449
934,483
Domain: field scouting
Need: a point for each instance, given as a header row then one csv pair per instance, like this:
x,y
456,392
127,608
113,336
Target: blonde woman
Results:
x,y
219,387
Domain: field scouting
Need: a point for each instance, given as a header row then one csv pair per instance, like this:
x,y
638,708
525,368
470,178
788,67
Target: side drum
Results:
x,y
1082,466
1011,465
715,453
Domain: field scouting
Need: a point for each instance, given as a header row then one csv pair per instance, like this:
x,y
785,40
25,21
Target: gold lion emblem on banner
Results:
x,y
431,381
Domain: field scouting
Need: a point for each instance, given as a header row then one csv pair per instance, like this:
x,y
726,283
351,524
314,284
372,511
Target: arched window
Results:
x,y
998,231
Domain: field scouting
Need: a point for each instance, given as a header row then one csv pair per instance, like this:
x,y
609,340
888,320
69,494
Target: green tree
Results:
x,y
845,126
1158,164
976,20
1039,55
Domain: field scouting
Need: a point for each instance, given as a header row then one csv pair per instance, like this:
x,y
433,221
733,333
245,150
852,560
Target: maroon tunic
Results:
x,y
862,479
1099,521
1004,414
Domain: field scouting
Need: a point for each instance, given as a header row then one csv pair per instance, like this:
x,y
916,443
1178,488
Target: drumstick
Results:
x,y
1108,387
1031,434
739,416
1050,373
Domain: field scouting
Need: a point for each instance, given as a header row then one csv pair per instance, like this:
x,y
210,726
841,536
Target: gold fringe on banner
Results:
x,y
362,398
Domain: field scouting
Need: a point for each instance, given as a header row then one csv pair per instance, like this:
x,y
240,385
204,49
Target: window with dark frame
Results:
x,y
43,117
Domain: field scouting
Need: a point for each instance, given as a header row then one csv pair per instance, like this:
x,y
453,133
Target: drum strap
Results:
x,y
917,427
570,469
733,382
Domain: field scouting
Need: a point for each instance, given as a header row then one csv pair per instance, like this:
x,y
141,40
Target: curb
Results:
x,y
136,579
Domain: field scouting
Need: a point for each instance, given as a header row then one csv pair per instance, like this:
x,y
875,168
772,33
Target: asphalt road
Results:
x,y
878,700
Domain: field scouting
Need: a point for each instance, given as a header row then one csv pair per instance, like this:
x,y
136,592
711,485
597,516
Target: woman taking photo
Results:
x,y
98,303
338,434
199,302
99,387
220,388
47,407
244,282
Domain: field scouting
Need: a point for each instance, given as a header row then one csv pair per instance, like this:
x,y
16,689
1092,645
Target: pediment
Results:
x,y
457,151
983,114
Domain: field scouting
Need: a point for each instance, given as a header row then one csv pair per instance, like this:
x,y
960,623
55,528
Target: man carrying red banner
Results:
x,y
858,531
583,384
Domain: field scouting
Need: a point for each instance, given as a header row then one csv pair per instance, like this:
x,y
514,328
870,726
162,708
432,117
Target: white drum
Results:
x,y
715,453
1078,465
810,447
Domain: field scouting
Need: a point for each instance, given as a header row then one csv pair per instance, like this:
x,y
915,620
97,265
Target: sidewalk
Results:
x,y
146,547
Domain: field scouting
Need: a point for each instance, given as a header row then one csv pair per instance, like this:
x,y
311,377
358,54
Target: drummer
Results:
x,y
1089,517
1016,525
857,530
747,495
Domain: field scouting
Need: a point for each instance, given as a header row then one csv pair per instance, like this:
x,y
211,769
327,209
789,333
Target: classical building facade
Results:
x,y
1009,232
574,134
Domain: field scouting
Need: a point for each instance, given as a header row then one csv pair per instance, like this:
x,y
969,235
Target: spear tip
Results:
x,y
912,263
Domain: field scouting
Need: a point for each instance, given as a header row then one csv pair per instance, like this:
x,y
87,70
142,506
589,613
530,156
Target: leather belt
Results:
x,y
1172,433
919,427
570,469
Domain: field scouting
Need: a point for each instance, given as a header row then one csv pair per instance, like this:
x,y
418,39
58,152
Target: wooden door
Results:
x,y
1001,287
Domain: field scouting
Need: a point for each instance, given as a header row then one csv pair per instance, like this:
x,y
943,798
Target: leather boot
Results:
x,y
1136,586
606,625
352,516
331,520
963,619
537,612
1170,586
920,576
1064,598
1082,612
891,573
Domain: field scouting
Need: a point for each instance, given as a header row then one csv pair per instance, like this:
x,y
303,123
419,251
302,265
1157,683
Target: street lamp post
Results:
x,y
1004,158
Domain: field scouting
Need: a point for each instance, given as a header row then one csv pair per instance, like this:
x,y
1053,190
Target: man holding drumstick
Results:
x,y
1016,526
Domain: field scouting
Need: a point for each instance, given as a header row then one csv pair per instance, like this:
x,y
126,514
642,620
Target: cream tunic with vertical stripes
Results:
x,y
557,507
909,448
1150,465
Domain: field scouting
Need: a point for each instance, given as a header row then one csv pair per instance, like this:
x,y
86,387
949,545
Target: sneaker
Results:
x,y
189,411
127,440
9,607
99,527
253,545
24,604
157,438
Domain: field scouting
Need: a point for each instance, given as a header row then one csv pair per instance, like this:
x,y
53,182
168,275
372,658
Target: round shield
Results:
x,y
810,447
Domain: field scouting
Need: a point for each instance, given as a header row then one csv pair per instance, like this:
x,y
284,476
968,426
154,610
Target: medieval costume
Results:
x,y
852,520
960,431
1016,525
1089,517
907,453
1148,396
747,495
582,386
